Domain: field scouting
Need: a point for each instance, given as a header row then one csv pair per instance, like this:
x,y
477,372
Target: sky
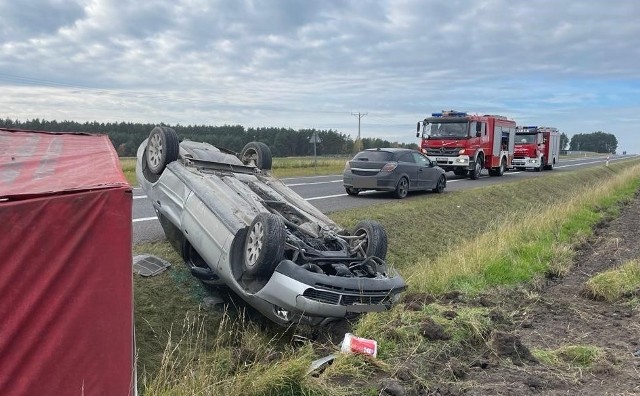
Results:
x,y
573,65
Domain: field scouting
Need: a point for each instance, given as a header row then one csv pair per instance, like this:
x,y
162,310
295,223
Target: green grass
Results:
x,y
617,283
470,241
129,169
572,356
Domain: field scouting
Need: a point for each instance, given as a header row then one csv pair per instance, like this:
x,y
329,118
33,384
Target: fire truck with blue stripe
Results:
x,y
537,148
466,144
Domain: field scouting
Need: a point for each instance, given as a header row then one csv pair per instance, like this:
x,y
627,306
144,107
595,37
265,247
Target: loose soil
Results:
x,y
548,314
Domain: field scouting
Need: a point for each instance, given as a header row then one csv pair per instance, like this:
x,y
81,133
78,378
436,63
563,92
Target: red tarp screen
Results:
x,y
66,303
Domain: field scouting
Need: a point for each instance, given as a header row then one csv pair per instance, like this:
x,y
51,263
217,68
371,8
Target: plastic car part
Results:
x,y
257,154
264,245
163,148
374,238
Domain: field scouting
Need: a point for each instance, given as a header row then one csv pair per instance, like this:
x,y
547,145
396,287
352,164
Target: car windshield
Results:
x,y
448,129
524,139
379,156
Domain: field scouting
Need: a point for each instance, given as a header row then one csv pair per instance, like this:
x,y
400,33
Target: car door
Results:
x,y
407,166
426,171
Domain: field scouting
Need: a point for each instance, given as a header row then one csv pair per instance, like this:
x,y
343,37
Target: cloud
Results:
x,y
310,64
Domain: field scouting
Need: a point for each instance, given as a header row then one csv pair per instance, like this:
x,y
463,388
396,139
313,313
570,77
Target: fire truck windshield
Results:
x,y
447,130
526,139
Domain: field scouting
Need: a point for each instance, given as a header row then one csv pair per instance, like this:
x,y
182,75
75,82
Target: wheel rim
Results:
x,y
155,150
402,187
250,157
477,169
254,244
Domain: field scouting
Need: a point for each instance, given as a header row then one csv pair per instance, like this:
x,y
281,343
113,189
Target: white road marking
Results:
x,y
145,219
308,184
139,196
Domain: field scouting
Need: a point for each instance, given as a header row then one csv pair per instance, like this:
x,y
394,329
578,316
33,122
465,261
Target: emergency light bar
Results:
x,y
450,113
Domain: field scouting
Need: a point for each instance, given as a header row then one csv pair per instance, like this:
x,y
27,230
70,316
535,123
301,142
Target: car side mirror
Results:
x,y
418,128
417,134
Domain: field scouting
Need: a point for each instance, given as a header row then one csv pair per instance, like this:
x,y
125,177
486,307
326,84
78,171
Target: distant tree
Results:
x,y
599,142
564,141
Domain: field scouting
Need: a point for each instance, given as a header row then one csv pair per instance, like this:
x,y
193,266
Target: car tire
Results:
x,y
264,245
352,191
257,154
163,147
402,188
376,238
440,186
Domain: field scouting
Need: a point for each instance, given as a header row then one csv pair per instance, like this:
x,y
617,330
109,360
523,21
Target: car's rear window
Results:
x,y
373,156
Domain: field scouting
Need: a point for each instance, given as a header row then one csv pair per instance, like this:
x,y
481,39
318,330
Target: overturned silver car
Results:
x,y
237,226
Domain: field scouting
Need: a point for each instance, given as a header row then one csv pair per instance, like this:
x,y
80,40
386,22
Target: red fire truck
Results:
x,y
466,144
537,148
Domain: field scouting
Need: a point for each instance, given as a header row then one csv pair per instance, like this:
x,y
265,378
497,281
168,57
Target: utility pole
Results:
x,y
359,115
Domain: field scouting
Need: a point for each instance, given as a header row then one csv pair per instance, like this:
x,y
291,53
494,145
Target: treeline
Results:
x,y
284,142
598,142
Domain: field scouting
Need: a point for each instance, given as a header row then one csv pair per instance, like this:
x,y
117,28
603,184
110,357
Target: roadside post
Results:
x,y
315,139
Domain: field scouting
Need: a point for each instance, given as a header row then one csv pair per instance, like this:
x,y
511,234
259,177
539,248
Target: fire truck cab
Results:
x,y
537,148
466,144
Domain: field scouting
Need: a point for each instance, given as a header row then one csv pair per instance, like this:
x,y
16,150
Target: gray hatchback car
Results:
x,y
392,169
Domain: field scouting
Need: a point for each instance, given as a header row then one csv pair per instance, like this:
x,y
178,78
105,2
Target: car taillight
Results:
x,y
389,167
347,166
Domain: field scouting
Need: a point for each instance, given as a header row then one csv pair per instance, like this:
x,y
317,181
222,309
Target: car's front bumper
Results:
x,y
527,163
297,291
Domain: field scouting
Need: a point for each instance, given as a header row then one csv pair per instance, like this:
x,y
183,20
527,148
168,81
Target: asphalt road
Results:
x,y
328,195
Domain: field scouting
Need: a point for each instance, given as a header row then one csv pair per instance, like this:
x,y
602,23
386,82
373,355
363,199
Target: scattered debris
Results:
x,y
353,344
148,265
321,363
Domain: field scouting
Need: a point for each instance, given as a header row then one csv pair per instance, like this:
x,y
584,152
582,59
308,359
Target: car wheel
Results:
x,y
163,148
477,168
257,154
442,183
264,245
375,238
402,188
352,191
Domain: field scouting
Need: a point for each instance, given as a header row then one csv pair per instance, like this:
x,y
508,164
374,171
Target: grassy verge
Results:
x,y
465,241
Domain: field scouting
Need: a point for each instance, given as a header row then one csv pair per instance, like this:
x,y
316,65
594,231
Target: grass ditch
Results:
x,y
440,243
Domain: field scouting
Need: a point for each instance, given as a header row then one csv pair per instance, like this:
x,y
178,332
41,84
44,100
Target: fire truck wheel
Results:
x,y
477,168
503,167
402,188
541,167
